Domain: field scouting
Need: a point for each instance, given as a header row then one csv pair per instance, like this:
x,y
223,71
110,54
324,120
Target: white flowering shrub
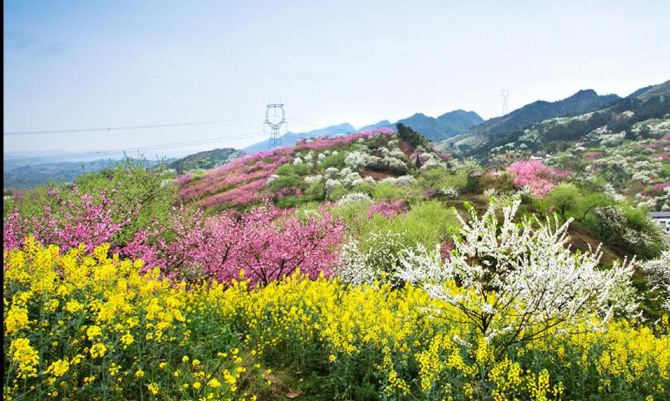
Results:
x,y
363,181
610,191
401,181
272,178
332,172
392,164
297,161
313,179
636,235
354,197
449,192
356,160
657,272
515,282
378,259
350,178
433,162
331,184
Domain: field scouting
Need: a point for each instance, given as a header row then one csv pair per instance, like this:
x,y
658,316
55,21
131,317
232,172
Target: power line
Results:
x,y
122,128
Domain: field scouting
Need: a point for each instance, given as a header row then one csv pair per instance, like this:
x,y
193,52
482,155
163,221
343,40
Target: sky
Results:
x,y
97,64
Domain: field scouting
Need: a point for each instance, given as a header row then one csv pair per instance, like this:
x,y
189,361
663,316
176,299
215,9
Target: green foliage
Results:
x,y
429,224
389,192
411,137
140,194
563,198
333,160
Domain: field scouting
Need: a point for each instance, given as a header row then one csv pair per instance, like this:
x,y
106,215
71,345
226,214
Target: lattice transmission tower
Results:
x,y
275,123
505,104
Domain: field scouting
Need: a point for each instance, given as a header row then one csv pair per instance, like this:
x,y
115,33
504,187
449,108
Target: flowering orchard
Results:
x,y
359,267
265,244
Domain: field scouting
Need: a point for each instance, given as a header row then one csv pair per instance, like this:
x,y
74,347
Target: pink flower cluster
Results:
x,y
238,182
661,186
72,221
534,174
388,209
265,243
324,143
183,179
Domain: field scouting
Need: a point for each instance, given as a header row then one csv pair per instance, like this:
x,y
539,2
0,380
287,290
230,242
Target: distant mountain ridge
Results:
x,y
631,118
584,101
434,128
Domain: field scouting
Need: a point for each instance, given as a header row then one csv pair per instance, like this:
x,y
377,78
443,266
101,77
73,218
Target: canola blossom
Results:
x,y
83,325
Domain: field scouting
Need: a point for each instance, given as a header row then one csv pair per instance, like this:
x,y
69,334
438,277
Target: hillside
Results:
x,y
626,144
285,269
581,102
206,160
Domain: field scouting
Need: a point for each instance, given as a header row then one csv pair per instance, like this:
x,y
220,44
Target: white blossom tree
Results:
x,y
515,282
657,272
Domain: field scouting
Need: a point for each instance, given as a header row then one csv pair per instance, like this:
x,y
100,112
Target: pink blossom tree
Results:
x,y
66,222
535,175
265,244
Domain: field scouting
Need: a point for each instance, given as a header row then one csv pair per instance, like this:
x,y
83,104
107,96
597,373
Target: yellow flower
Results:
x,y
153,388
25,356
93,332
59,368
139,374
214,383
98,350
73,306
196,362
162,365
127,339
197,385
185,359
16,319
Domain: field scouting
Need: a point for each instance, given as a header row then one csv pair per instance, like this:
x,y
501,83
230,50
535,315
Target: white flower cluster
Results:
x,y
272,178
657,272
331,184
332,172
520,280
354,197
366,266
401,181
345,177
614,220
432,161
363,181
358,161
609,190
297,161
449,192
313,179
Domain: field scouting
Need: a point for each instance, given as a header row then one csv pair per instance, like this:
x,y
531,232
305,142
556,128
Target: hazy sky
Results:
x,y
89,64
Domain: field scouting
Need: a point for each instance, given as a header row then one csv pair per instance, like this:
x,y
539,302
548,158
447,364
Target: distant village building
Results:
x,y
663,218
